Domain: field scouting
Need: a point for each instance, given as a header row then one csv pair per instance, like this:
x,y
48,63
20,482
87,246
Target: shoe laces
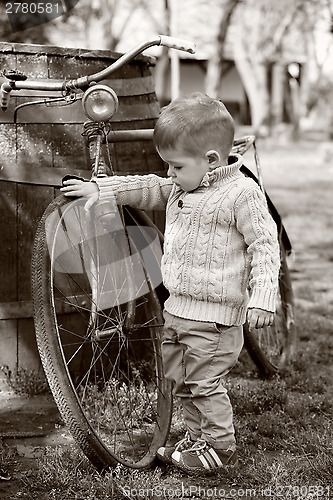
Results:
x,y
183,441
199,445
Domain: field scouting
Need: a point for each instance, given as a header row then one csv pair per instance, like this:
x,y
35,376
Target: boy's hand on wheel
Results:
x,y
77,188
258,318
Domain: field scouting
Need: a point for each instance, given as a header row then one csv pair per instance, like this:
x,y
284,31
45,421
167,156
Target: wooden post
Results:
x,y
277,95
174,54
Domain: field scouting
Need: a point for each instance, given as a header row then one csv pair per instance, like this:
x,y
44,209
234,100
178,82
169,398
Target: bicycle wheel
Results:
x,y
98,326
271,348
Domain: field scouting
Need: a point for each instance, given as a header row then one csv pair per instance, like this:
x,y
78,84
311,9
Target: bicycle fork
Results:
x,y
105,212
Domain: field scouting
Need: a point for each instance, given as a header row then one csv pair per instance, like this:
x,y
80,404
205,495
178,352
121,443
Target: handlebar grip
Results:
x,y
4,99
177,43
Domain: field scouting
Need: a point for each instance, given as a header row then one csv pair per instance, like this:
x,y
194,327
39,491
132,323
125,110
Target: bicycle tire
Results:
x,y
272,348
108,384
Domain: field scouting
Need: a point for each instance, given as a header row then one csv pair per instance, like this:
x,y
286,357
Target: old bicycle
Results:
x,y
98,298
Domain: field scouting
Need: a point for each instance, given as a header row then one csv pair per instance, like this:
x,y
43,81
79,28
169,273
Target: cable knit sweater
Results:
x,y
220,240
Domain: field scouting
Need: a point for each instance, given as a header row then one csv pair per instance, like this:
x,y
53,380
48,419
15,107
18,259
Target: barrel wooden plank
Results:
x,y
34,146
34,66
28,214
8,270
73,113
133,87
68,68
43,176
7,145
15,310
129,158
68,147
8,343
8,247
67,52
129,155
27,352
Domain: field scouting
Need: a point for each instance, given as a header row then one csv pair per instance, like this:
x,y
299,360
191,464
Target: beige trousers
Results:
x,y
196,357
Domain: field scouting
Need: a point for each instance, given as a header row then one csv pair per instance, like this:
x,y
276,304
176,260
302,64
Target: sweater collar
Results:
x,y
235,161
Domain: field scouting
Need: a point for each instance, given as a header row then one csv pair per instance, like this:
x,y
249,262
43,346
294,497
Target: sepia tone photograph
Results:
x,y
166,257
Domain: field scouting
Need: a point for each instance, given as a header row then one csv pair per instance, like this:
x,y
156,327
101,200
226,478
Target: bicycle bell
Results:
x,y
100,103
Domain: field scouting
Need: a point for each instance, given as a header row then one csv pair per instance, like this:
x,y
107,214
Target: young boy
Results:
x,y
220,240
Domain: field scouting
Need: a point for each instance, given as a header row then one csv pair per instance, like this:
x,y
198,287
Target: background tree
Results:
x,y
111,17
161,22
260,27
318,75
265,33
38,34
215,63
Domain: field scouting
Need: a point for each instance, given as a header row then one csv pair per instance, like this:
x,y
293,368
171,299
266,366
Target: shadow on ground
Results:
x,y
27,427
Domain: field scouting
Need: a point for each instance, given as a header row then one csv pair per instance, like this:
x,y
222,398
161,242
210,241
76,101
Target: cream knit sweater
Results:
x,y
220,240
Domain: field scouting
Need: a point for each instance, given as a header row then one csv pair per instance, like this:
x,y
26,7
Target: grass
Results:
x,y
285,436
284,425
25,382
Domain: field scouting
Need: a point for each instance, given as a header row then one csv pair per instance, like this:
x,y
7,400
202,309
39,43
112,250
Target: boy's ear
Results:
x,y
213,158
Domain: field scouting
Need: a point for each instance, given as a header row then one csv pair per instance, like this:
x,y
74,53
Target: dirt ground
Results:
x,y
27,426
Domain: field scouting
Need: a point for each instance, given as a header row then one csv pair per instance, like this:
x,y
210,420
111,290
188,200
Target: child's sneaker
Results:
x,y
202,458
164,453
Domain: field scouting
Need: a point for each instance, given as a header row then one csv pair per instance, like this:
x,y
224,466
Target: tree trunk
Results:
x,y
253,74
278,85
294,107
214,68
163,63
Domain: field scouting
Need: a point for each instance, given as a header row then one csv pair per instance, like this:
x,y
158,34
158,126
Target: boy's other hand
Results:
x,y
258,318
78,188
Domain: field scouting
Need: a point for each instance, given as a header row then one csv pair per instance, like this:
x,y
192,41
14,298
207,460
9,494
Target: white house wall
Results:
x,y
192,78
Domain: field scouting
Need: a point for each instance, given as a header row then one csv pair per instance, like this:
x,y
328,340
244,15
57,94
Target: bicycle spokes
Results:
x,y
104,332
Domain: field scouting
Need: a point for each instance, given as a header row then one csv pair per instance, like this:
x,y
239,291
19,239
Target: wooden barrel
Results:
x,y
42,146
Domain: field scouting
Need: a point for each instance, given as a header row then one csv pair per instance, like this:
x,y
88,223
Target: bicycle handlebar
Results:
x,y
177,43
83,83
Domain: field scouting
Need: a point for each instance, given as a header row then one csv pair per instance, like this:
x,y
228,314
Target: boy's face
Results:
x,y
185,171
